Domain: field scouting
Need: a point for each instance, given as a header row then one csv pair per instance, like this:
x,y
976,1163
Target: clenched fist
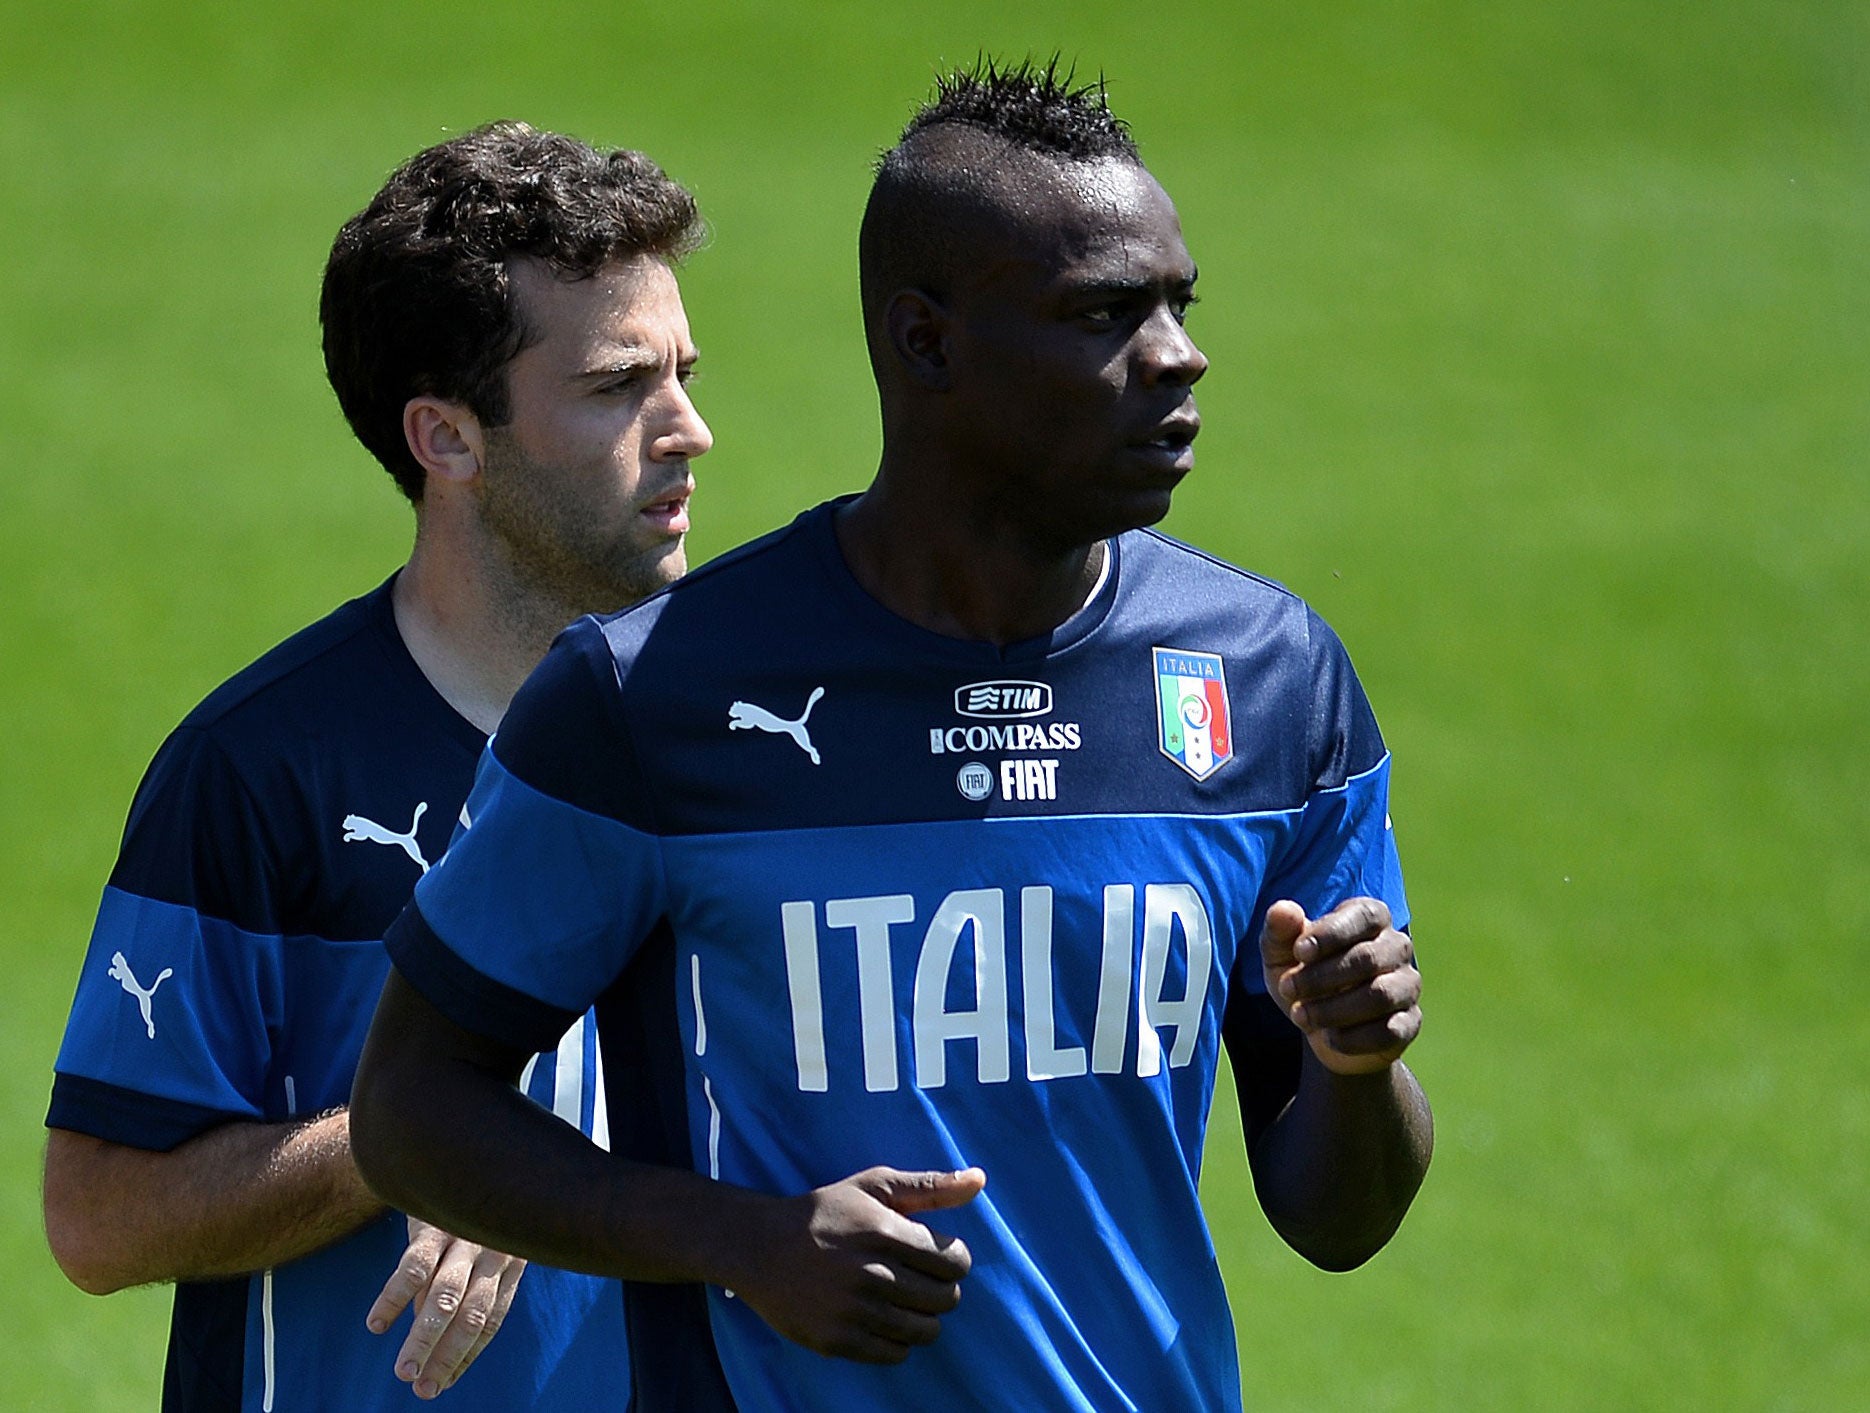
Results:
x,y
1347,980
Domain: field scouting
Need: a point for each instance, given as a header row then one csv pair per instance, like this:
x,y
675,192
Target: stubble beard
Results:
x,y
557,563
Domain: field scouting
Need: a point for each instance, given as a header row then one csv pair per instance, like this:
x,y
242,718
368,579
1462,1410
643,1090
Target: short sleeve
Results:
x,y
546,894
1343,843
180,990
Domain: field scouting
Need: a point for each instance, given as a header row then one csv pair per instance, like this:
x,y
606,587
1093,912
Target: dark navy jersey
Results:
x,y
232,975
933,903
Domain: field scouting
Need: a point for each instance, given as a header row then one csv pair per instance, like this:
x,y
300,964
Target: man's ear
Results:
x,y
918,327
445,438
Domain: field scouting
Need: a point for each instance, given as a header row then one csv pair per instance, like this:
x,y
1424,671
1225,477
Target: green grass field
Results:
x,y
1541,365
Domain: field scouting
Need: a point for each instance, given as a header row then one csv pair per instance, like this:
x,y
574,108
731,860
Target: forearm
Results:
x,y
847,1269
1336,1172
460,1147
237,1198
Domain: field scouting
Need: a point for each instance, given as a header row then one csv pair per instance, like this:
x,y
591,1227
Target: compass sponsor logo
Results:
x,y
997,707
1005,736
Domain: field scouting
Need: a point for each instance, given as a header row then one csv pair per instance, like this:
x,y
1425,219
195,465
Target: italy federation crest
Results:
x,y
1196,731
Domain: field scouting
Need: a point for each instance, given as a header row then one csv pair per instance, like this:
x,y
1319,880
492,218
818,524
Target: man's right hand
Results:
x,y
845,1271
462,1292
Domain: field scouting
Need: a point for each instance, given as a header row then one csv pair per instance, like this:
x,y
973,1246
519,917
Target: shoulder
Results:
x,y
248,797
1175,592
248,723
326,660
1286,667
1177,561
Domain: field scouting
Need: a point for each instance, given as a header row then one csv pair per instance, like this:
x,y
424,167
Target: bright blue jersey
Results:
x,y
232,974
933,903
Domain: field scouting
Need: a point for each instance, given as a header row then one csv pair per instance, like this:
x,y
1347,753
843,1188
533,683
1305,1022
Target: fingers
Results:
x,y
1285,924
1348,980
940,1257
913,1290
503,1302
441,1301
899,1312
459,1309
868,1282
455,1312
1388,951
1371,1000
935,1255
922,1192
1348,923
1377,1043
411,1275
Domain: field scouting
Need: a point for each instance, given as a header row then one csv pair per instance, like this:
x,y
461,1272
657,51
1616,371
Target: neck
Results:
x,y
473,630
963,576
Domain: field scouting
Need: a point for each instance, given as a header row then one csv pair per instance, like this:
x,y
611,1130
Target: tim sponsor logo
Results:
x,y
1001,701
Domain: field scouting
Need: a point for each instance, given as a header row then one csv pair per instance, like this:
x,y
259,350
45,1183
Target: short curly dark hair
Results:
x,y
416,298
955,171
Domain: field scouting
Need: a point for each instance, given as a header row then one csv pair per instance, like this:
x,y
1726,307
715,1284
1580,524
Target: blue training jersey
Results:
x,y
933,903
232,975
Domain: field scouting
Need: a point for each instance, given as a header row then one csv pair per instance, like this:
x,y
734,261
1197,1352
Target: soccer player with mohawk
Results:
x,y
976,819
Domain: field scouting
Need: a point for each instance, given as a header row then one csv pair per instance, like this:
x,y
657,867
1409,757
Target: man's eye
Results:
x,y
1183,305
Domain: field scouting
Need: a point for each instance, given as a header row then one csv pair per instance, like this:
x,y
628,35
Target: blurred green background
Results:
x,y
1541,365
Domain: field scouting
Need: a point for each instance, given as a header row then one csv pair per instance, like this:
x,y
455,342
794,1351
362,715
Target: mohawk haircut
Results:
x,y
965,165
1038,109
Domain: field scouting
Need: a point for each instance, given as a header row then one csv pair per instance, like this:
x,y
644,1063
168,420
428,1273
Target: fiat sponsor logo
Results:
x,y
1003,701
974,781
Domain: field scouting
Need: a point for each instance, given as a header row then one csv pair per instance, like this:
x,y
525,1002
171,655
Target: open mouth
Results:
x,y
1173,441
670,513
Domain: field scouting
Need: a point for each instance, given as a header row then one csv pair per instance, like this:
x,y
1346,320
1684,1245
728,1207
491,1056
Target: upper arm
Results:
x,y
180,990
415,1060
1342,844
410,1036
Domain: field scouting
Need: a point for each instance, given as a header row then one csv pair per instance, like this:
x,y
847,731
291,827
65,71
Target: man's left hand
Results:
x,y
462,1293
1347,980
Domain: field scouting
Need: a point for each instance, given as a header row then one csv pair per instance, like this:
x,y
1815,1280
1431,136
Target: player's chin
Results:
x,y
1133,508
631,575
660,565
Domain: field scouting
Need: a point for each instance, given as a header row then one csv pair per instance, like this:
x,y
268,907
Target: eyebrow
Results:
x,y
1123,286
633,361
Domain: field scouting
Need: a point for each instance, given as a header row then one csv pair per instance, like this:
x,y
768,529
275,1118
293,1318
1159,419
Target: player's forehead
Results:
x,y
626,308
1087,224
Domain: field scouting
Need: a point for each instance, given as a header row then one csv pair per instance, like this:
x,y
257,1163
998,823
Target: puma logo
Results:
x,y
358,830
120,969
745,716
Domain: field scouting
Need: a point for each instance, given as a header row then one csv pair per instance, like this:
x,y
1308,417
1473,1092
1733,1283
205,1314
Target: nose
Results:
x,y
1169,355
684,434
